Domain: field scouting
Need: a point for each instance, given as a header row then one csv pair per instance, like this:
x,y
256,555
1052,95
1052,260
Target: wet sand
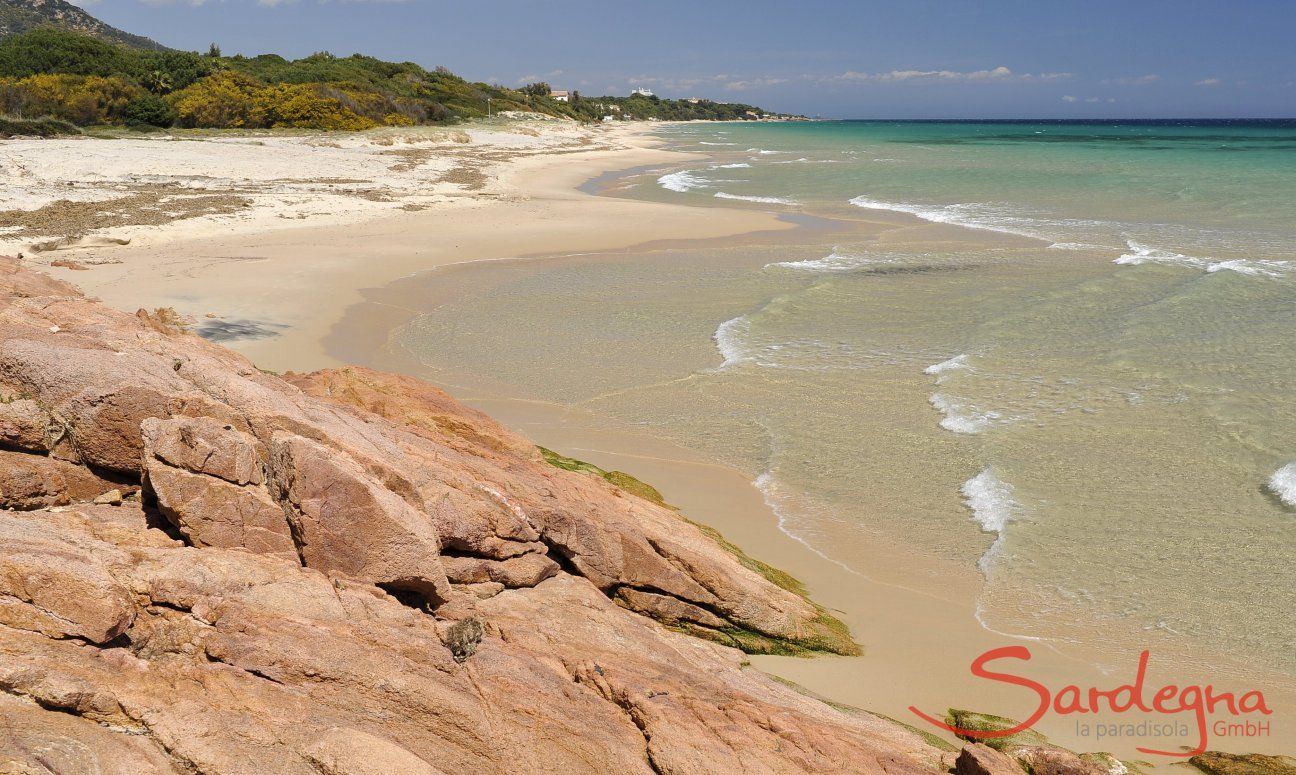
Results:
x,y
324,295
915,615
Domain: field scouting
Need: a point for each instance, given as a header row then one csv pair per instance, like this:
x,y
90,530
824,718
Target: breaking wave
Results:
x,y
1143,254
959,361
993,507
769,200
682,182
729,337
1283,484
961,417
833,262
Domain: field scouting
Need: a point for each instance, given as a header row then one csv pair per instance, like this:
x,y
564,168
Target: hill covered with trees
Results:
x,y
19,16
69,76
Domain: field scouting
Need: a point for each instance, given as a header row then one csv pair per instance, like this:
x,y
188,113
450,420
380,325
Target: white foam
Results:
x,y
1075,246
1283,484
804,160
970,215
959,361
833,262
703,142
769,200
993,507
762,151
729,337
742,165
682,182
1143,254
960,417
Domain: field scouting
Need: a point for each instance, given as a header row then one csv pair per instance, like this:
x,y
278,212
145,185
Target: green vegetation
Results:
x,y
1220,763
43,127
78,78
829,634
618,478
985,722
19,16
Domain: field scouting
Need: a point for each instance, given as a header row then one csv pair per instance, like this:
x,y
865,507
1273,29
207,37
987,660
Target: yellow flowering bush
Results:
x,y
80,99
224,100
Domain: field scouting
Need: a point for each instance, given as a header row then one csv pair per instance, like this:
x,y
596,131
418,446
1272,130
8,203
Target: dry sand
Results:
x,y
236,274
510,192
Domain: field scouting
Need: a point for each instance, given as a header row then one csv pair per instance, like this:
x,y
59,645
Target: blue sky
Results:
x,y
861,59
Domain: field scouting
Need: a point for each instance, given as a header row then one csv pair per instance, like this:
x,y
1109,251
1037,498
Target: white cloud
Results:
x,y
523,80
998,74
1135,80
1208,82
1069,98
754,83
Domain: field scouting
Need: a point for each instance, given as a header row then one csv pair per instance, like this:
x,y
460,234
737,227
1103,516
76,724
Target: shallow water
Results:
x,y
1101,421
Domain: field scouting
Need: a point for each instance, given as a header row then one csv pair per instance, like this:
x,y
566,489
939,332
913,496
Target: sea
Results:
x,y
1059,354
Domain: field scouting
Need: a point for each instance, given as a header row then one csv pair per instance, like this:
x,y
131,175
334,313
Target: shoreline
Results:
x,y
899,627
293,284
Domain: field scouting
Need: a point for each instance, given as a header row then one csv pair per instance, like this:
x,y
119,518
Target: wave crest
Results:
x,y
681,182
769,200
993,506
1143,254
1283,484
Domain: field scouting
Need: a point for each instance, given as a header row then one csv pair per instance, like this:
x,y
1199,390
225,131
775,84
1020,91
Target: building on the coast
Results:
x,y
641,92
560,95
693,100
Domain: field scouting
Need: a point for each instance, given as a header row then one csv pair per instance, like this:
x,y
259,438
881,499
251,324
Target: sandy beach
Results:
x,y
394,216
366,211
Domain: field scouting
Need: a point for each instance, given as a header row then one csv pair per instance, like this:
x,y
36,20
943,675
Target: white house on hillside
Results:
x,y
641,93
560,95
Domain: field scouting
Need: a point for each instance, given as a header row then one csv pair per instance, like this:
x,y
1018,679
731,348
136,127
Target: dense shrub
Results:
x,y
80,99
224,100
165,71
149,110
302,106
321,91
39,127
50,50
232,99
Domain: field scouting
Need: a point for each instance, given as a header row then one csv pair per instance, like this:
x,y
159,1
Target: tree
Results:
x,y
214,51
537,89
149,110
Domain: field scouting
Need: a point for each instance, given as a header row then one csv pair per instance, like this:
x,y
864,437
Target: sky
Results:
x,y
843,59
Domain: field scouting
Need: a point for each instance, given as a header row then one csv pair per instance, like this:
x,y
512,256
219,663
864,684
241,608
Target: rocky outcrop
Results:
x,y
348,572
1220,763
981,759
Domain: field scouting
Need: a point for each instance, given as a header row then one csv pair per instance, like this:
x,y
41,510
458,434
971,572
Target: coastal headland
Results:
x,y
287,248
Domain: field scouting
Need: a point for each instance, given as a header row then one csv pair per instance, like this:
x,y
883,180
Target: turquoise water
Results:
x,y
1219,191
1096,422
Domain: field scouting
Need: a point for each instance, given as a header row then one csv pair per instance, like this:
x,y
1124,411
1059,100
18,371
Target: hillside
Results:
x,y
18,16
83,80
